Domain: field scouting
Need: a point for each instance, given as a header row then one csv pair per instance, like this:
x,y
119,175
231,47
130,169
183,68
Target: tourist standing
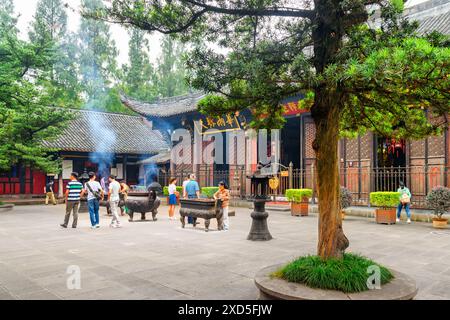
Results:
x,y
95,194
224,194
49,194
404,201
113,199
124,189
173,195
192,191
185,182
74,191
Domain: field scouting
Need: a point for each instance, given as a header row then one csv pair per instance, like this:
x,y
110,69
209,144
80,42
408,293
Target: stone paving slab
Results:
x,y
161,260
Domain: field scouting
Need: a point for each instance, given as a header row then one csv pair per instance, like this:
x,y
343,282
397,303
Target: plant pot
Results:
x,y
385,216
342,215
440,223
299,208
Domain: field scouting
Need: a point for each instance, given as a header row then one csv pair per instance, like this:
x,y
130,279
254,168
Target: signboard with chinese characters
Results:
x,y
292,109
217,124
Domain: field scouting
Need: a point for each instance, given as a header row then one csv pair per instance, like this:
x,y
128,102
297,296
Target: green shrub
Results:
x,y
346,275
297,195
166,190
209,191
345,197
1,203
438,199
384,199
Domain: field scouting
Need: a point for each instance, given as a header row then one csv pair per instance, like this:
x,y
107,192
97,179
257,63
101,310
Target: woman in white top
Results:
x,y
173,195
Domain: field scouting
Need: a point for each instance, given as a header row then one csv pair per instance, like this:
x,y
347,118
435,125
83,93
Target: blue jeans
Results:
x,y
400,207
94,206
191,219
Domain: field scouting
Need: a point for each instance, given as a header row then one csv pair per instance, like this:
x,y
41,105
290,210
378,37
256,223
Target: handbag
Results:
x,y
97,194
405,198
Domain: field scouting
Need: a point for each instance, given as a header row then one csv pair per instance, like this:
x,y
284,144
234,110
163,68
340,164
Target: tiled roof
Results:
x,y
440,23
162,157
165,107
93,131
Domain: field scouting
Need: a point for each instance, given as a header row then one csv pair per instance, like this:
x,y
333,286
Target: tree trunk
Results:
x,y
327,36
332,241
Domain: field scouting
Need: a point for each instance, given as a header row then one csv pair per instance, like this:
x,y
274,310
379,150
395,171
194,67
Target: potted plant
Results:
x,y
209,191
299,199
166,193
387,201
439,200
346,199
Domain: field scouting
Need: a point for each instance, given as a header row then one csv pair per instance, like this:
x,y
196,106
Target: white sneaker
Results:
x,y
409,221
93,227
397,220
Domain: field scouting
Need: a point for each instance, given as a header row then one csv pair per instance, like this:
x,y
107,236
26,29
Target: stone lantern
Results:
x,y
259,196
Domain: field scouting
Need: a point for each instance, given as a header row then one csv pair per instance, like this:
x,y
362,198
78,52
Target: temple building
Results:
x,y
142,145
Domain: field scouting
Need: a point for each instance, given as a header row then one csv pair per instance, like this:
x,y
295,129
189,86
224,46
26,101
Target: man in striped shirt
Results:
x,y
74,190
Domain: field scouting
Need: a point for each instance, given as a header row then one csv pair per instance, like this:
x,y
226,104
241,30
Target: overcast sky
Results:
x,y
27,8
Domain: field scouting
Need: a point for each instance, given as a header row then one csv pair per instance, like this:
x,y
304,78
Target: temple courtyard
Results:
x,y
160,260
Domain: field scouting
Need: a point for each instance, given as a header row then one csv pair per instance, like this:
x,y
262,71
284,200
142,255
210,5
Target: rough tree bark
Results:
x,y
332,241
327,36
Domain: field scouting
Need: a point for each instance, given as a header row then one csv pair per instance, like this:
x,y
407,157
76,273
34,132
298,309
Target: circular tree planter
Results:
x,y
402,287
6,207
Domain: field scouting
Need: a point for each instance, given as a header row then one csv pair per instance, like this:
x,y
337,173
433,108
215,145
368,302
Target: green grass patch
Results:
x,y
1,203
347,275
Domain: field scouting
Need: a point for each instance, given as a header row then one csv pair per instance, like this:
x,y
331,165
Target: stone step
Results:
x,y
281,208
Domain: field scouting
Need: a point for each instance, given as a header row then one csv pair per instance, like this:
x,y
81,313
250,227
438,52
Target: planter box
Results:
x,y
299,208
385,216
440,223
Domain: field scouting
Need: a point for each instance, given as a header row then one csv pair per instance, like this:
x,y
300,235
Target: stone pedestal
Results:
x,y
83,205
259,230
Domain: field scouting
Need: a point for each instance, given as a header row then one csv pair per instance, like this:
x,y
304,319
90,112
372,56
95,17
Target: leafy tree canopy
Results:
x,y
386,76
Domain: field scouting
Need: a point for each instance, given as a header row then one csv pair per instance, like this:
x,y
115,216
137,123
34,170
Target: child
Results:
x,y
173,194
224,195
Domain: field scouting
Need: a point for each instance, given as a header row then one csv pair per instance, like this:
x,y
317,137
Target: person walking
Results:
x,y
95,194
224,194
192,191
173,195
404,201
74,191
113,199
49,194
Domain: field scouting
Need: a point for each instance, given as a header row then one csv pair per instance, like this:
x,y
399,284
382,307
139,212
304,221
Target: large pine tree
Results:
x,y
50,28
356,76
98,61
26,119
139,78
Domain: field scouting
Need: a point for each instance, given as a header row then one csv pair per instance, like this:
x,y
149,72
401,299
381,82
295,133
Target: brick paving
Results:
x,y
159,260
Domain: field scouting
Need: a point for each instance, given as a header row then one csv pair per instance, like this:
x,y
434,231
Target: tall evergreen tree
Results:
x,y
139,76
97,59
171,72
7,19
26,119
354,75
50,28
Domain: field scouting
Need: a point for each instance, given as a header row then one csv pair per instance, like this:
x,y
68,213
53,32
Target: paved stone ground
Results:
x,y
159,260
